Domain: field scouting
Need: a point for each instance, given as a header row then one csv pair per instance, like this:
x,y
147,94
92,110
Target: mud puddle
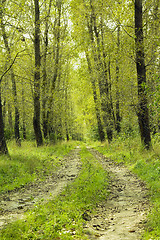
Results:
x,y
123,215
15,203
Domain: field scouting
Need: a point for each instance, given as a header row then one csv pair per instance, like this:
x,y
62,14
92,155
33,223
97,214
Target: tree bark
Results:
x,y
57,33
107,101
143,112
98,115
23,114
14,90
36,118
110,91
92,28
118,117
44,71
10,121
3,145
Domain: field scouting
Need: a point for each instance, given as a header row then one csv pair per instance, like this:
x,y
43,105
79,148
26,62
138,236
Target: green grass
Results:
x,y
28,163
146,164
62,217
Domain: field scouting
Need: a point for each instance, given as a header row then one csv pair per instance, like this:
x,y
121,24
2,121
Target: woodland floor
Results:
x,y
122,216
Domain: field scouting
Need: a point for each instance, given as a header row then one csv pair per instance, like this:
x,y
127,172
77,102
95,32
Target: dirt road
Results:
x,y
15,203
120,217
123,215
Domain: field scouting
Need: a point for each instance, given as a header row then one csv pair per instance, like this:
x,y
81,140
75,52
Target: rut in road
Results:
x,y
15,203
123,215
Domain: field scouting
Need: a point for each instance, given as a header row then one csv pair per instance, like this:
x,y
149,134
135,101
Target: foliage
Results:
x,y
146,164
62,218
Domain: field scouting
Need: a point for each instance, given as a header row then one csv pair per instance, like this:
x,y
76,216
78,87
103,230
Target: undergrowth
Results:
x,y
27,163
146,164
63,217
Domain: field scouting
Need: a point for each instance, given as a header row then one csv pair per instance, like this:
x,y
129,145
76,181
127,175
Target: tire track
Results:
x,y
123,215
14,204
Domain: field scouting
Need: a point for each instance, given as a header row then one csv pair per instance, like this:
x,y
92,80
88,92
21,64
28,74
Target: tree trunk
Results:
x,y
98,115
10,121
44,84
56,61
92,28
66,106
14,90
36,118
143,113
118,117
110,91
3,146
108,117
24,114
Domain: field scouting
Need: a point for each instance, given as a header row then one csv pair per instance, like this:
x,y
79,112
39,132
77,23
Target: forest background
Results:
x,y
79,70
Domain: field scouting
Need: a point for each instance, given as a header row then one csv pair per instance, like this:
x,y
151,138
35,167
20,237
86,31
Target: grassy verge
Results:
x,y
63,217
27,163
146,164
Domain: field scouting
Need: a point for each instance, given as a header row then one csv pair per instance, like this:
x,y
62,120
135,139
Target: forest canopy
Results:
x,y
79,70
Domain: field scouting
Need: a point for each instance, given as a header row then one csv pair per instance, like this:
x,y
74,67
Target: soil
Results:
x,y
14,204
121,216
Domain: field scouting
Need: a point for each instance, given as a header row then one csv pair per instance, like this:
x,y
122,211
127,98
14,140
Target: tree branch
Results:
x,y
10,65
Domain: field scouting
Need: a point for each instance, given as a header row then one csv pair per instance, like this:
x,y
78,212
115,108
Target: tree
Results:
x,y
3,146
44,71
14,88
118,117
98,115
143,112
36,118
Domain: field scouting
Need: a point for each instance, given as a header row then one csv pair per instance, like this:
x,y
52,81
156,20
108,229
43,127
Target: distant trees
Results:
x,y
89,68
40,76
113,43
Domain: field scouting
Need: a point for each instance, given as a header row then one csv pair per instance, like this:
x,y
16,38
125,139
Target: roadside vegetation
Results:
x,y
146,164
28,163
65,216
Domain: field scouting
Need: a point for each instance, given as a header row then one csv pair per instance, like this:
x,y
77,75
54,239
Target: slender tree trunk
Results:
x,y
110,88
16,125
100,62
153,68
143,112
10,121
4,113
56,62
118,117
3,145
44,84
93,72
66,107
36,118
108,117
14,90
23,114
98,115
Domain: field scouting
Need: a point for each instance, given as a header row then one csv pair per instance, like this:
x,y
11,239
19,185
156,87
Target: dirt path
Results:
x,y
14,204
123,215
